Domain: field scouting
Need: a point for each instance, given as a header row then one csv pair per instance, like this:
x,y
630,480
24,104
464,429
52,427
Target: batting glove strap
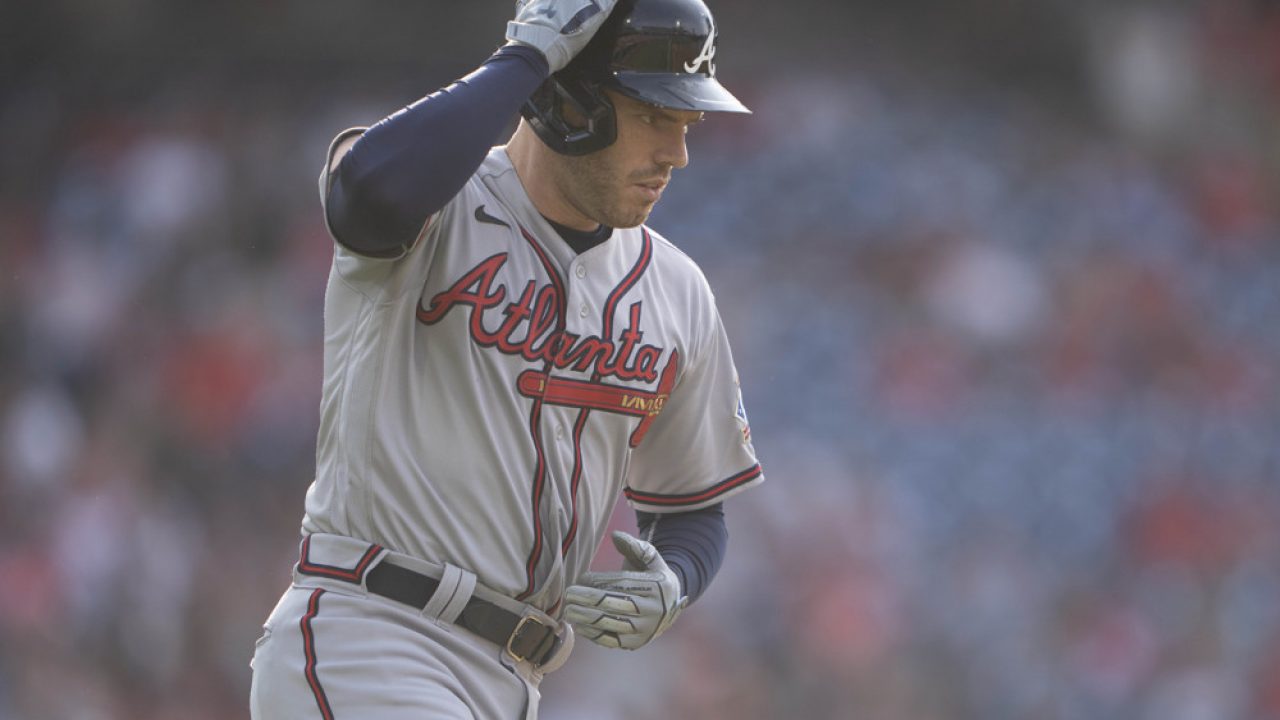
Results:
x,y
629,608
559,29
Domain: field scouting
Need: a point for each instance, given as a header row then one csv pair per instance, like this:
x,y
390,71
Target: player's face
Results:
x,y
619,186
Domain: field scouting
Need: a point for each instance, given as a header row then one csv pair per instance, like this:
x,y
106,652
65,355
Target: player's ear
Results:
x,y
572,116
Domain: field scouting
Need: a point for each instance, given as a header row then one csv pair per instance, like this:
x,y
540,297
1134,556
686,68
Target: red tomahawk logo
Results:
x,y
600,396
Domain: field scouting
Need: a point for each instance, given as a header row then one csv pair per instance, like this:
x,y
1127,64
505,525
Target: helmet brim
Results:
x,y
678,91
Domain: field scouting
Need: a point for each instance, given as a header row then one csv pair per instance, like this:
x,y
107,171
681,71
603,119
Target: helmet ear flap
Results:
x,y
573,117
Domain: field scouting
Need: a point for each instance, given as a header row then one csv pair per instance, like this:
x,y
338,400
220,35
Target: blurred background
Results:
x,y
1003,281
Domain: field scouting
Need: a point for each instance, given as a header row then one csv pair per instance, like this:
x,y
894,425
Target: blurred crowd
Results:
x,y
1012,375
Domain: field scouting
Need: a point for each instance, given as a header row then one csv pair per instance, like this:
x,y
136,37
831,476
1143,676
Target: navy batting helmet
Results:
x,y
661,52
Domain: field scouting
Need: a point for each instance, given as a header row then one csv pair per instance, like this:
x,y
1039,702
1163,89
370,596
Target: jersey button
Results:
x,y
584,312
559,432
581,271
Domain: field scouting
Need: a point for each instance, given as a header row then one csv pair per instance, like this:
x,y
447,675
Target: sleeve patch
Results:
x,y
743,423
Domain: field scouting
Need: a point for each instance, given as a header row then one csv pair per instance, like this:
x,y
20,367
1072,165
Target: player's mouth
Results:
x,y
652,190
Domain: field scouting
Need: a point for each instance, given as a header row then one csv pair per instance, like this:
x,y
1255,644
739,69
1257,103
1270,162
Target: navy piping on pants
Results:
x,y
309,649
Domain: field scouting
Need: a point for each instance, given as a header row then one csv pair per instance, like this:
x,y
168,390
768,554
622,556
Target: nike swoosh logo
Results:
x,y
485,217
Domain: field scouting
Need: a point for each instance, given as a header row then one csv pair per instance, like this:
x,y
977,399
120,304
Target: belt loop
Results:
x,y
339,558
449,599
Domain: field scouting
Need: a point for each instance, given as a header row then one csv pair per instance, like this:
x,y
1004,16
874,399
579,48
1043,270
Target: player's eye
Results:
x,y
648,118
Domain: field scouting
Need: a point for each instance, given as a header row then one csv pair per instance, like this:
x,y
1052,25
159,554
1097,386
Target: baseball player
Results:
x,y
507,349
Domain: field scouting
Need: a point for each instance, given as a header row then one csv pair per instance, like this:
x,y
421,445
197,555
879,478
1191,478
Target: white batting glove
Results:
x,y
559,29
628,608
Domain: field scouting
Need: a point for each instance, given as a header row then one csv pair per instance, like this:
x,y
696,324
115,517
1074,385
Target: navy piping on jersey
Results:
x,y
695,498
535,421
606,333
575,481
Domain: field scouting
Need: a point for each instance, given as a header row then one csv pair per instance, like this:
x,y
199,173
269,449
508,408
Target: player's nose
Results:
x,y
673,152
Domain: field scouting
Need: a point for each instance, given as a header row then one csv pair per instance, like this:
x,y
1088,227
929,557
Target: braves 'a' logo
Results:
x,y
706,55
527,327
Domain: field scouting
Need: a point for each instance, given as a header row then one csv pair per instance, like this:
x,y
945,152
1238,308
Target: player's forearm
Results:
x,y
407,166
693,544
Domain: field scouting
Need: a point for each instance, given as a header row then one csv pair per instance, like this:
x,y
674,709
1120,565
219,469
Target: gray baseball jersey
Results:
x,y
488,393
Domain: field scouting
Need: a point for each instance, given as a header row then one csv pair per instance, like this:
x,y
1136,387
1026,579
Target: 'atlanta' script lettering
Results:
x,y
527,327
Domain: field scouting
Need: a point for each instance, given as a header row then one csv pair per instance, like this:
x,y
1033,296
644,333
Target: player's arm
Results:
x,y
407,166
692,543
661,575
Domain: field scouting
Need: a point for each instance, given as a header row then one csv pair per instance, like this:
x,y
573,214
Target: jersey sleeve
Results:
x,y
378,278
338,149
698,451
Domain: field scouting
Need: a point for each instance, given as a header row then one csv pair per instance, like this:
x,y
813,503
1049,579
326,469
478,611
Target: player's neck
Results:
x,y
581,240
528,158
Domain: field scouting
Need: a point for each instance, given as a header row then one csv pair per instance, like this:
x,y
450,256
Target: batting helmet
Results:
x,y
661,52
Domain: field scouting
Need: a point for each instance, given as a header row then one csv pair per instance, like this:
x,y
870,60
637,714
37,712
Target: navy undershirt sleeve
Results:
x,y
693,543
410,164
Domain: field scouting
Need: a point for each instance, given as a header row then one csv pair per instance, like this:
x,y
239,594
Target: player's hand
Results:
x,y
559,29
628,608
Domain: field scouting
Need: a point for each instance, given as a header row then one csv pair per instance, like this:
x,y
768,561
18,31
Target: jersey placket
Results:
x,y
579,282
542,469
584,314
577,285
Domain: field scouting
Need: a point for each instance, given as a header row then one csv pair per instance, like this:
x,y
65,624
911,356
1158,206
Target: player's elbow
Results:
x,y
367,216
